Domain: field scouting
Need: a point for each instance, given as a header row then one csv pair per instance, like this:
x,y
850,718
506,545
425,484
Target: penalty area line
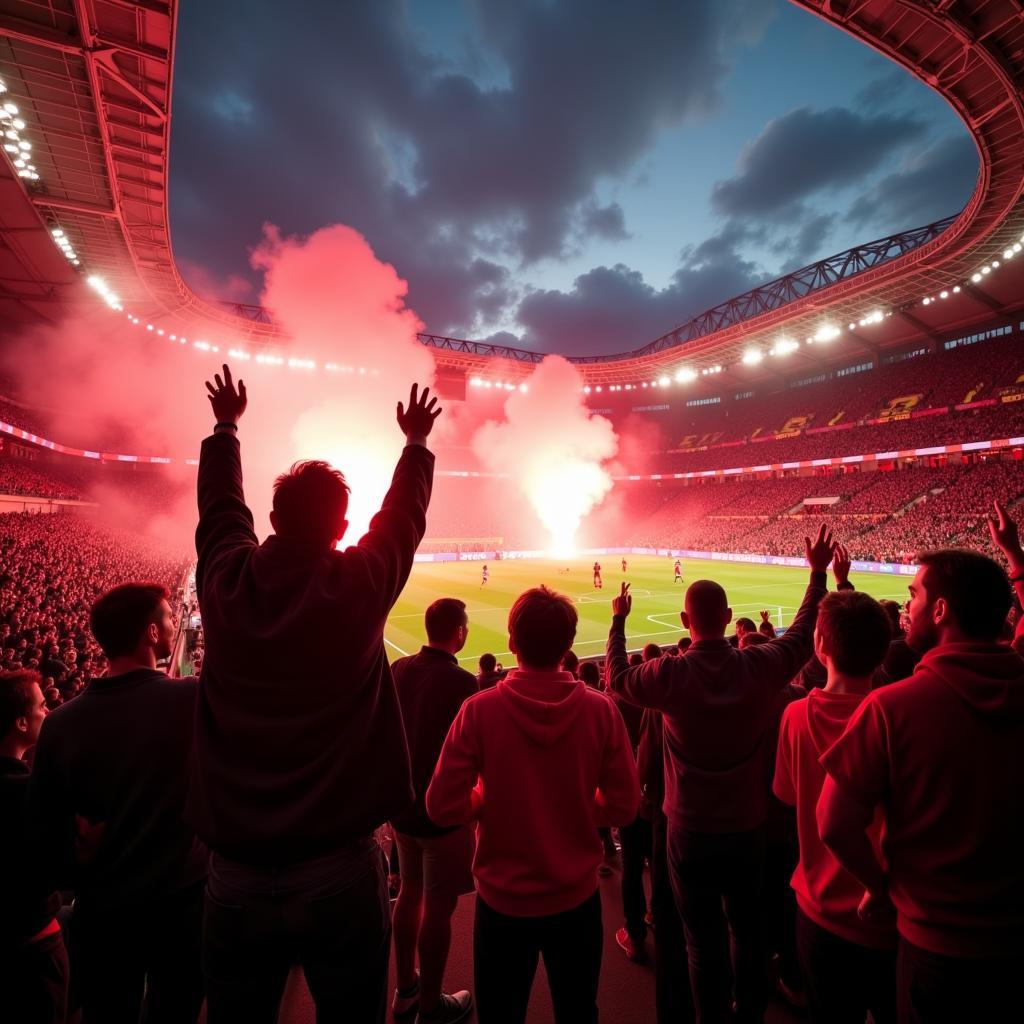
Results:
x,y
404,654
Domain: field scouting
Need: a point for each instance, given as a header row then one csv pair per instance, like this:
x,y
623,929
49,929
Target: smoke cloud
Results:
x,y
108,385
554,449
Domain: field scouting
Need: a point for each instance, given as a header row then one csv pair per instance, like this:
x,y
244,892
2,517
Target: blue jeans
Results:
x,y
331,915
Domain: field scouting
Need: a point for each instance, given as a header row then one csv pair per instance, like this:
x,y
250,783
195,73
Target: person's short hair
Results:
x,y
857,630
443,618
16,696
753,639
892,609
975,588
542,626
766,629
571,662
651,651
706,606
310,500
120,616
636,658
488,662
747,625
683,643
590,674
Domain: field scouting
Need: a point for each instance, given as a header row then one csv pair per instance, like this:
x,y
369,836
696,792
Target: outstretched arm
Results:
x,y
225,522
1006,537
397,529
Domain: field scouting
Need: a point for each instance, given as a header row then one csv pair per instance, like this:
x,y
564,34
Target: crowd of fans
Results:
x,y
216,832
52,569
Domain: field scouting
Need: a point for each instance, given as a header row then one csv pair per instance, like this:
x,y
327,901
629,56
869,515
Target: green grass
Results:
x,y
656,600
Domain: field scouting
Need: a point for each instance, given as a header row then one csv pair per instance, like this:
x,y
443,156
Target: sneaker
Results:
x,y
406,1001
451,1009
634,950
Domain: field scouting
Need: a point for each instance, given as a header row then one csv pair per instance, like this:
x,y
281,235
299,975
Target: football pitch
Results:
x,y
656,599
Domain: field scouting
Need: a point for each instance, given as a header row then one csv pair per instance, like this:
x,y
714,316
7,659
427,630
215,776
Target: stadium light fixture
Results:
x,y
975,278
752,357
598,388
664,382
524,387
826,332
684,375
784,346
943,294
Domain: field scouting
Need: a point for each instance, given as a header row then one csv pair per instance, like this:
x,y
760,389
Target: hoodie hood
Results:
x,y
988,677
543,705
827,715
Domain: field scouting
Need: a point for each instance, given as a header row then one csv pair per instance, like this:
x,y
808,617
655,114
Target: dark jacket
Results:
x,y
719,704
29,902
431,688
300,747
117,757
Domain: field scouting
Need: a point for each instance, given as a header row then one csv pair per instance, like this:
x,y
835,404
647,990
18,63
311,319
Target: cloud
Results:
x,y
809,151
438,169
932,184
614,309
605,222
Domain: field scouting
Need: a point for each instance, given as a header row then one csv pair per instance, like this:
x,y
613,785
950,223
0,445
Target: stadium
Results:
x,y
879,391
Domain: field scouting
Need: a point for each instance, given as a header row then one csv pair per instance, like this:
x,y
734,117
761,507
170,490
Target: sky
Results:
x,y
570,176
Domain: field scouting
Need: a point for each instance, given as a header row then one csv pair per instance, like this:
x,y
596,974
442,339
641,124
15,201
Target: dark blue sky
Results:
x,y
569,175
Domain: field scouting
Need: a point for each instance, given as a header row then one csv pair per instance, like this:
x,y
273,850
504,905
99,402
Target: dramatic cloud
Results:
x,y
809,151
930,185
439,163
613,309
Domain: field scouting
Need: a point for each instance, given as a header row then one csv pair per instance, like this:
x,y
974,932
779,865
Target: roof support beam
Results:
x,y
984,298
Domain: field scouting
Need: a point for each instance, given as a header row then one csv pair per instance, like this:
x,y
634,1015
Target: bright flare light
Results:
x,y
683,376
752,357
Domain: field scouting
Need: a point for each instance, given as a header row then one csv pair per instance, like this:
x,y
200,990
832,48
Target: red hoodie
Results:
x,y
943,754
541,760
826,892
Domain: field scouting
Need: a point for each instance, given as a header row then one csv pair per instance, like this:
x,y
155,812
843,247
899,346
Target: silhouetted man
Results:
x,y
942,754
719,705
300,747
107,794
436,862
33,960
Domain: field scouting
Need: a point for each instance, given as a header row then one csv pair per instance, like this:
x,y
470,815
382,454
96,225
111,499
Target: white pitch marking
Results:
x,y
404,654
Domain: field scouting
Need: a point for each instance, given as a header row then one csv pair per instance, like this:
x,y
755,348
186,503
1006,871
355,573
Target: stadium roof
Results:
x,y
91,83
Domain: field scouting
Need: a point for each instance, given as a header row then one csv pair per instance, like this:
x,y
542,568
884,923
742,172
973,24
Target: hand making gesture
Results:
x,y
417,422
840,564
1006,537
228,404
622,603
819,554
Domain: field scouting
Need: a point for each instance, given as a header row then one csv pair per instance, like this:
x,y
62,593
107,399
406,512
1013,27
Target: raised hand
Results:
x,y
622,603
228,404
819,554
417,421
1006,537
841,564
766,615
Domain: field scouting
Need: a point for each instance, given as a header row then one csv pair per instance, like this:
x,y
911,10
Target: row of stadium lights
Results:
x,y
684,375
19,151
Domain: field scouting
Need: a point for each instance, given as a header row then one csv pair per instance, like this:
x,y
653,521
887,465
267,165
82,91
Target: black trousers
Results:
x,y
936,989
505,954
843,980
331,915
636,848
140,959
718,882
34,981
673,998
